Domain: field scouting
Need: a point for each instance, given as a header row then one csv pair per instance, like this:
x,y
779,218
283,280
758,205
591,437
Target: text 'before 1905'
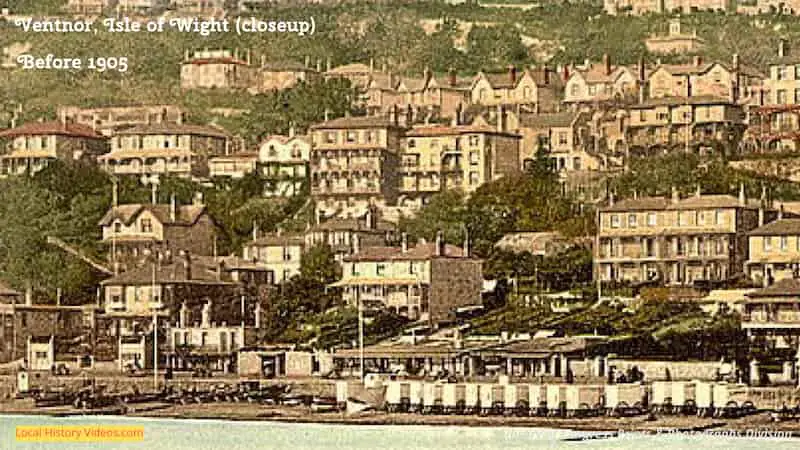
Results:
x,y
52,62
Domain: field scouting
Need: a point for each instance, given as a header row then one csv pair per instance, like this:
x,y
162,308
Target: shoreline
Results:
x,y
246,412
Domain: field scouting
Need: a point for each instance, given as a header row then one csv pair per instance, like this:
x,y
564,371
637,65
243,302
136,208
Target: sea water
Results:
x,y
191,434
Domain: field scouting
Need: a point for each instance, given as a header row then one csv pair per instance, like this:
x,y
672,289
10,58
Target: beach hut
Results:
x,y
510,398
556,399
683,397
472,400
486,399
453,398
341,394
623,399
583,400
730,400
537,399
704,398
661,396
394,395
415,396
432,398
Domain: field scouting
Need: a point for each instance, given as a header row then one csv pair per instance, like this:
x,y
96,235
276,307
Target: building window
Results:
x,y
576,163
287,254
474,158
351,136
474,140
767,243
717,217
146,226
784,243
614,221
412,143
380,269
330,137
117,227
632,221
782,73
562,138
780,97
681,219
474,178
651,219
287,274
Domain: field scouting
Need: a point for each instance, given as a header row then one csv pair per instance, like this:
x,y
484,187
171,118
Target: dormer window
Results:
x,y
117,227
146,226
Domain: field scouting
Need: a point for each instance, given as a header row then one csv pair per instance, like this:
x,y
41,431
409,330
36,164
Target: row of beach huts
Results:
x,y
718,399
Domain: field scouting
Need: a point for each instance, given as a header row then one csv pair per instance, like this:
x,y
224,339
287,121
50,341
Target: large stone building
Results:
x,y
279,254
773,314
775,124
705,125
701,79
30,147
343,235
165,149
536,91
222,69
640,7
354,162
593,84
675,241
427,282
437,158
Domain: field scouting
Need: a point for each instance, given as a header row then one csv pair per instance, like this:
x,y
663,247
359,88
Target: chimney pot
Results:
x,y
173,208
512,73
404,242
607,64
452,76
439,243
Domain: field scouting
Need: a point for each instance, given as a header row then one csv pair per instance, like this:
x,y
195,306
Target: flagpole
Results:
x,y
155,331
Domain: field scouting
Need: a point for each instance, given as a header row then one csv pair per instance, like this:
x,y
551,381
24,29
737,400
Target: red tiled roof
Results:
x,y
52,128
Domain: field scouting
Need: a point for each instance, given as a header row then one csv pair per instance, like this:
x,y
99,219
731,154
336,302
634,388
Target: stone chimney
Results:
x,y
404,242
173,209
328,66
186,261
307,61
255,230
466,248
371,65
735,62
291,130
512,74
780,212
675,195
501,119
439,250
742,196
458,114
183,316
606,64
565,73
205,320
546,75
611,199
698,61
426,74
452,77
699,191
319,65
761,214
782,48
197,200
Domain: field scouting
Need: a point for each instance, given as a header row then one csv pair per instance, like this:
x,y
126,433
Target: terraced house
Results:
x,y
676,241
221,69
30,147
532,90
602,83
705,125
774,251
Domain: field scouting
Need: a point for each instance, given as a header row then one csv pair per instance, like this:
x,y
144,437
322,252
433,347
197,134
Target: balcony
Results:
x,y
771,319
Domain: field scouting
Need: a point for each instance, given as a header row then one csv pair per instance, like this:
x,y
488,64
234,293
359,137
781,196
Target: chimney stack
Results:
x,y
186,260
404,242
675,195
512,74
742,196
452,77
319,65
255,230
439,243
606,64
206,315
501,117
466,244
565,73
115,193
328,65
782,50
173,209
780,212
698,61
371,65
308,61
698,192
426,74
545,75
154,193
735,62
611,198
459,112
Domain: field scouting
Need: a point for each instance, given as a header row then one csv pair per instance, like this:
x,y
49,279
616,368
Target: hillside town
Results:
x,y
533,239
